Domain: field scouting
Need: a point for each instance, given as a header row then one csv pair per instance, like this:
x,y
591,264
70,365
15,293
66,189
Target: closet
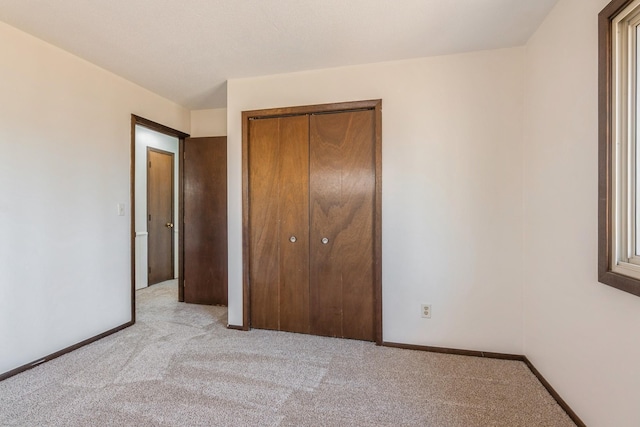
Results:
x,y
312,196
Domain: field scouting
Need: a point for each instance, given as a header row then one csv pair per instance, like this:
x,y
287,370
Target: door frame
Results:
x,y
376,106
141,121
173,206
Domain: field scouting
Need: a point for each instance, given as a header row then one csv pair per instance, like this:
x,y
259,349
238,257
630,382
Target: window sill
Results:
x,y
620,281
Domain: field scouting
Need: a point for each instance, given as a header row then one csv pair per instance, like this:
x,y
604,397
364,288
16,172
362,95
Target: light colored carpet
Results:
x,y
180,366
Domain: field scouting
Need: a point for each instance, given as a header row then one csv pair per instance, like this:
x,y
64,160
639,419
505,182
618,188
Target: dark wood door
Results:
x,y
279,223
312,184
160,185
205,220
342,190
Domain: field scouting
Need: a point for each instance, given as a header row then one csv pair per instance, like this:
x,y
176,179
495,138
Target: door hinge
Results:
x,y
149,165
149,217
149,270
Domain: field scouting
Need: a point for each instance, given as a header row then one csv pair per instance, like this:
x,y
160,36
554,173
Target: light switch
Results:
x,y
120,209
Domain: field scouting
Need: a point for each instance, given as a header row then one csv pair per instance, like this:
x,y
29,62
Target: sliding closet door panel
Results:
x,y
264,153
358,190
325,188
293,200
342,188
279,223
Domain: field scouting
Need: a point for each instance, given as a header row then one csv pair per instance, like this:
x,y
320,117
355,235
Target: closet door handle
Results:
x,y
324,240
293,239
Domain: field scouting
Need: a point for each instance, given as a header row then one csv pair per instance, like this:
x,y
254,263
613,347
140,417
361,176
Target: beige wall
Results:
x,y
65,135
211,122
452,189
472,211
581,335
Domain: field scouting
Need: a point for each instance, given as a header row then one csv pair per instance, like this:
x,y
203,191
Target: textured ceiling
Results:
x,y
186,50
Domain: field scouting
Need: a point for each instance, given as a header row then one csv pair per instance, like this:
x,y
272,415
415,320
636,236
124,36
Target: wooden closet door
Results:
x,y
341,198
279,223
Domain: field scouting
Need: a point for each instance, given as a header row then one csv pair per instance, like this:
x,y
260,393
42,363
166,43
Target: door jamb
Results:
x,y
376,105
137,120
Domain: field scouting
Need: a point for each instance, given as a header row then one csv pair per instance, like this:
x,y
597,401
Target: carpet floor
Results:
x,y
180,366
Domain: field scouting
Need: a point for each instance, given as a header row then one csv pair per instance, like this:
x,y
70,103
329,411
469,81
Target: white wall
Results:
x,y
582,336
452,189
65,135
146,137
453,202
211,122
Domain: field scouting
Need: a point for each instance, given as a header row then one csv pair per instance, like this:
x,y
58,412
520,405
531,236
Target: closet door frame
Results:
x,y
376,106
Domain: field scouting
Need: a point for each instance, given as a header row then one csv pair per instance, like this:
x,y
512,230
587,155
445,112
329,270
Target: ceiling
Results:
x,y
185,50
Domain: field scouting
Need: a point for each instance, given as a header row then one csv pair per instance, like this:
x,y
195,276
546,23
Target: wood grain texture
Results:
x,y
278,182
358,192
342,191
159,214
249,211
264,153
205,220
325,202
293,221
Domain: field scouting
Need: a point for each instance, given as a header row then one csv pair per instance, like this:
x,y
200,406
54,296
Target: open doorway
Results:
x,y
156,153
156,176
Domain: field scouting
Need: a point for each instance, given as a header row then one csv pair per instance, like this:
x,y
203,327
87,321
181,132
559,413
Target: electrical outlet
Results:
x,y
426,311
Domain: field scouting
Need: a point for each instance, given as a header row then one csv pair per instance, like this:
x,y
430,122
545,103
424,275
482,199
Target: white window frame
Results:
x,y
625,259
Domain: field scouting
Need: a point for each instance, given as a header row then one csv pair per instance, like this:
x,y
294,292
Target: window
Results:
x,y
619,157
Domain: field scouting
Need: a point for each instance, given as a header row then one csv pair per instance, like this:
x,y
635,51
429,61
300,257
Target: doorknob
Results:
x,y
293,239
169,225
324,240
